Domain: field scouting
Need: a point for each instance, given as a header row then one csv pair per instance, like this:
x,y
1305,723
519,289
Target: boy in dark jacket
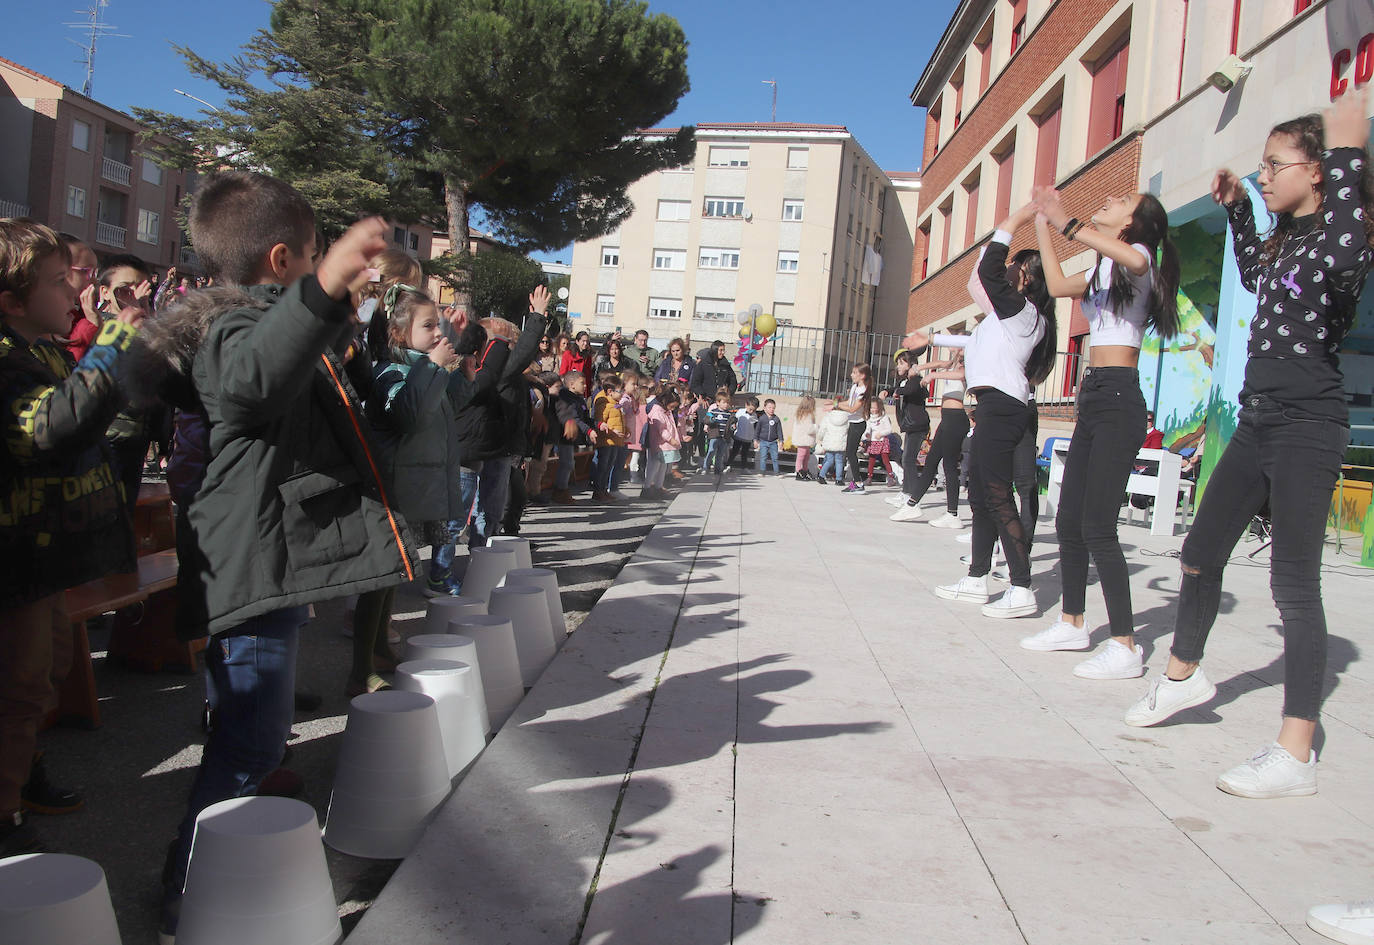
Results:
x,y
63,518
575,422
292,508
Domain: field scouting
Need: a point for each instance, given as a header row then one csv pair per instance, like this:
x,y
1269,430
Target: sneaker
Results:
x,y
896,500
1272,772
947,521
1014,602
1349,922
17,837
972,589
41,796
854,487
965,539
1116,660
436,587
563,497
1167,696
1060,635
907,513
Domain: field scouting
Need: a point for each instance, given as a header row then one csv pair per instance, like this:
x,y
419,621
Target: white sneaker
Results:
x,y
1014,602
1060,635
1116,660
965,539
972,589
1272,772
1167,696
897,474
897,500
907,513
947,521
1349,922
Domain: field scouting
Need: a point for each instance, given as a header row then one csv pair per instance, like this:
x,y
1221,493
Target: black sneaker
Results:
x,y
17,837
40,796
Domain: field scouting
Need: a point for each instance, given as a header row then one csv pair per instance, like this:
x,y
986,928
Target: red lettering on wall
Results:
x,y
1364,59
1338,64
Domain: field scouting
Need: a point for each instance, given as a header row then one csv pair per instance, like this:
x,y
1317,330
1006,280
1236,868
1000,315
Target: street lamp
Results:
x,y
195,98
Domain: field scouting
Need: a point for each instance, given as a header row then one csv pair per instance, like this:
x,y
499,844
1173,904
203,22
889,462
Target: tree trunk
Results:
x,y
456,207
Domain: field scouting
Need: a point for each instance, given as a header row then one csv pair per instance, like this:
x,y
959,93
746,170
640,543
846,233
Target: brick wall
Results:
x,y
1113,172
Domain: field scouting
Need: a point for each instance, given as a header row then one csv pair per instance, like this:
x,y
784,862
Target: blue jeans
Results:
x,y
622,453
834,463
250,681
715,454
604,471
563,478
493,485
768,449
441,561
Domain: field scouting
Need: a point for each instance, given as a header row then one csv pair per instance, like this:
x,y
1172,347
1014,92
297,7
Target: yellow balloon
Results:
x,y
744,332
765,325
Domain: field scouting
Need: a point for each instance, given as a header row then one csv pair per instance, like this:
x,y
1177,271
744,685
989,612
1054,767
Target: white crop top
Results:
x,y
1126,327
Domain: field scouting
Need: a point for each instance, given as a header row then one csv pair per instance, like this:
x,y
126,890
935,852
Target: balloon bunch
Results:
x,y
757,328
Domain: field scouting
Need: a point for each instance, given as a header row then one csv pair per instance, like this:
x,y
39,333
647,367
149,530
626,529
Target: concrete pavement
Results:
x,y
768,730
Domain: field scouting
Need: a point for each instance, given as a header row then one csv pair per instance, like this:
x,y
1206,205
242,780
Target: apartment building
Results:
x,y
797,218
78,166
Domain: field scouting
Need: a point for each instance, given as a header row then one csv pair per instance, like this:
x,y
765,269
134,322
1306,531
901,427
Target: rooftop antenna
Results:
x,y
774,84
95,28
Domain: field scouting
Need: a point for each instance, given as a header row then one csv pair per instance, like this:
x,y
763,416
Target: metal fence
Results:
x,y
817,361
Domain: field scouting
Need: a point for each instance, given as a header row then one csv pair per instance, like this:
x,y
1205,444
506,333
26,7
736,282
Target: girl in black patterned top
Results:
x,y
1293,428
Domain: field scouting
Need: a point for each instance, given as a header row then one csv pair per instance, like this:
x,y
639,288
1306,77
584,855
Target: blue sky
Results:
x,y
843,64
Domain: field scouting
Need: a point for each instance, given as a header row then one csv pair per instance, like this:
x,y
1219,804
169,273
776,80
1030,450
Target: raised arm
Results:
x,y
1123,254
992,268
1346,129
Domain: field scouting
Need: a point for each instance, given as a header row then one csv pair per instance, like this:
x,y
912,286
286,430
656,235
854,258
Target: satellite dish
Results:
x,y
563,292
748,217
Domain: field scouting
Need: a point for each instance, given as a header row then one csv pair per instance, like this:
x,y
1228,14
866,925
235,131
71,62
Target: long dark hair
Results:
x,y
868,396
1308,137
1037,292
1149,225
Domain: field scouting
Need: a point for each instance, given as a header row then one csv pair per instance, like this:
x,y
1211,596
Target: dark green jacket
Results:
x,y
293,508
63,519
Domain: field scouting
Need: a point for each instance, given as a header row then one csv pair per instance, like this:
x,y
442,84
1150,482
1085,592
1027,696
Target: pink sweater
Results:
x,y
663,433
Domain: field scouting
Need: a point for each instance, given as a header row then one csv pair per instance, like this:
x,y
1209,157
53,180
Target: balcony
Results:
x,y
10,209
119,173
110,235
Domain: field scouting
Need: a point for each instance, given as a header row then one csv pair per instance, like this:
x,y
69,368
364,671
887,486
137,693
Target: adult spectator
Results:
x,y
547,359
647,358
677,367
614,358
579,358
713,372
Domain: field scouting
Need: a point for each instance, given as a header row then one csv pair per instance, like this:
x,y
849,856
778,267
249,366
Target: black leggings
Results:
x,y
1111,416
947,447
1024,476
911,455
1280,455
851,449
1001,424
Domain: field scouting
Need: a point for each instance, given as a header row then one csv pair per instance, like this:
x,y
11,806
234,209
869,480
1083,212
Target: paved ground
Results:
x,y
769,731
135,770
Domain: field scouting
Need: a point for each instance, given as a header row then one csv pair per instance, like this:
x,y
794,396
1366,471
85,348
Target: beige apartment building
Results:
x,y
76,165
796,218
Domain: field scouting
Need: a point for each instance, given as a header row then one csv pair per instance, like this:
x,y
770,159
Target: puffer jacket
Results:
x,y
835,431
293,508
711,374
611,429
63,518
804,430
493,415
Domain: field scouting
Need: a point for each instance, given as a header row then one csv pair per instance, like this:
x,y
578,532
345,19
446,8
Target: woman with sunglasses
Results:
x,y
1308,273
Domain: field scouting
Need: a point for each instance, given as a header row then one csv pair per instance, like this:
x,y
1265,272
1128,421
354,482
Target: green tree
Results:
x,y
500,282
525,108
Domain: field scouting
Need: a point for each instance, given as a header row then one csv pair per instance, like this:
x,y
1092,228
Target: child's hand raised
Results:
x,y
443,354
539,299
344,267
1344,124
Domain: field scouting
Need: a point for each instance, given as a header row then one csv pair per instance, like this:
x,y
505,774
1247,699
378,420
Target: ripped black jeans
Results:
x,y
1001,422
1280,454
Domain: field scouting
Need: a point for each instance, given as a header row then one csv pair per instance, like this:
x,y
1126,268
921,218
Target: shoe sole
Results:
x,y
943,594
34,808
1025,610
1304,791
1131,675
1029,644
903,518
937,524
1190,704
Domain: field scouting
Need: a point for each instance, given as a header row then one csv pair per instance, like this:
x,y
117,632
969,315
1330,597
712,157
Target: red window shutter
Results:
x,y
985,67
971,222
1107,107
1003,205
1018,19
1047,146
946,218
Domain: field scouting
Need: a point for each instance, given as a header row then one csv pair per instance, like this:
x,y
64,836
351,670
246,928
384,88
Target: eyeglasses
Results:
x,y
1272,168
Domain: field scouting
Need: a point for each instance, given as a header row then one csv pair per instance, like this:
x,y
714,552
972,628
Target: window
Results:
x,y
947,223
728,157
1106,111
1018,24
723,207
788,260
674,209
718,258
924,239
971,220
398,236
1047,145
670,259
605,305
610,256
798,158
1235,26
849,228
854,175
81,135
882,199
715,310
1300,5
1002,204
76,201
792,209
984,64
152,174
959,101
149,226
665,308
